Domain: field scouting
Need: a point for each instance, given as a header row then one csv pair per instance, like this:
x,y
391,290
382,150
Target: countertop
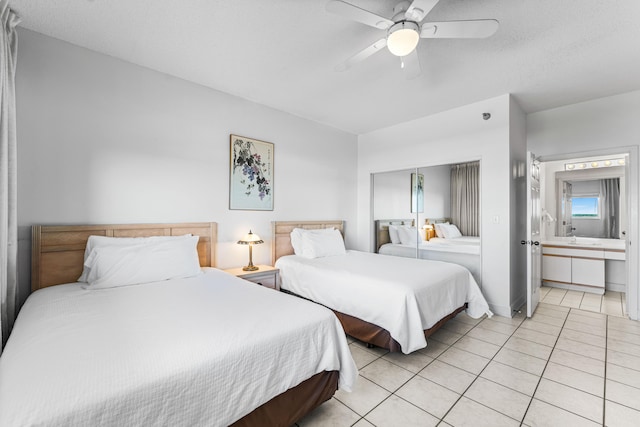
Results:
x,y
587,243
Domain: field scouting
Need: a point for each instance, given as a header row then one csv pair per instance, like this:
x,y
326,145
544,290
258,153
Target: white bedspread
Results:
x,y
402,295
200,351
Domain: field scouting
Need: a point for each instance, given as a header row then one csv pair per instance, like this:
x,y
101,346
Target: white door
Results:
x,y
631,232
532,242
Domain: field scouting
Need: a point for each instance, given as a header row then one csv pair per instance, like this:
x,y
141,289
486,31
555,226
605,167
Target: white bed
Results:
x,y
204,350
401,295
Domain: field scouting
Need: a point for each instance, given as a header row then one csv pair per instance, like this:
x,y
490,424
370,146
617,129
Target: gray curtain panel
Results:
x,y
610,200
8,173
465,197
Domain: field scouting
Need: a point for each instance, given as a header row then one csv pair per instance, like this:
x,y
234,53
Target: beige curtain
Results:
x,y
465,197
8,172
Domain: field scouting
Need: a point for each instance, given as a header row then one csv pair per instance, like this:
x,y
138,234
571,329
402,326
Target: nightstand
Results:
x,y
266,276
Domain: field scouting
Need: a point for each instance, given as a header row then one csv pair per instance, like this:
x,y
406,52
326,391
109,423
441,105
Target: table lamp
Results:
x,y
250,239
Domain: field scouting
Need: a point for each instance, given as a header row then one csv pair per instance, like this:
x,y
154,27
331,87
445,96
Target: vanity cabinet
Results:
x,y
571,267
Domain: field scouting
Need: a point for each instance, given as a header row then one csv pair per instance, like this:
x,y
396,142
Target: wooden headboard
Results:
x,y
57,251
281,234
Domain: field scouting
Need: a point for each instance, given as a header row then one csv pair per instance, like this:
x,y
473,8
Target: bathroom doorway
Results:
x,y
589,227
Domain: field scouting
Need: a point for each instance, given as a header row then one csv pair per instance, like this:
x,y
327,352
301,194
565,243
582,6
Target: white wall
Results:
x,y
603,125
105,141
392,195
518,206
455,136
437,192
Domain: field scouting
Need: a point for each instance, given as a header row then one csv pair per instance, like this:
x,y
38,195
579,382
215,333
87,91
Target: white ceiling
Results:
x,y
282,53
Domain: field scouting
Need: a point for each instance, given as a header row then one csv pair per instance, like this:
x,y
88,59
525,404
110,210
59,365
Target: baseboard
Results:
x,y
615,287
572,287
501,310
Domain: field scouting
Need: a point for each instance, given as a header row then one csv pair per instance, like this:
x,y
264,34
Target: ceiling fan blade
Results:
x,y
419,9
362,55
475,29
411,65
357,14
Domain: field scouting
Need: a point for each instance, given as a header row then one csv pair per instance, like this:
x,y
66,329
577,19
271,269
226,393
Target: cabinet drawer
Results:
x,y
268,279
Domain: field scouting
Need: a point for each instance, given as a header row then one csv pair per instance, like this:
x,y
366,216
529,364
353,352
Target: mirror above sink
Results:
x,y
585,199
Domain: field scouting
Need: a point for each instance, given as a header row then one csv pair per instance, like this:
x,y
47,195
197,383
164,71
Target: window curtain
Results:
x,y
465,197
610,200
8,173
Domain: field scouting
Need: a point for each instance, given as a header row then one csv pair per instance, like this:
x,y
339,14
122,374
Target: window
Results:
x,y
585,207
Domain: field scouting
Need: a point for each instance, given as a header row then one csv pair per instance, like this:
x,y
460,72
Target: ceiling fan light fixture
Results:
x,y
403,38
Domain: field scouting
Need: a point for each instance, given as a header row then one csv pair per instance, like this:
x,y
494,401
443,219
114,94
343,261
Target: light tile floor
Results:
x,y
563,367
612,303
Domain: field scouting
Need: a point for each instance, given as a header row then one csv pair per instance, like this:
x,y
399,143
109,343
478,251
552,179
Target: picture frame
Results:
x,y
251,171
417,193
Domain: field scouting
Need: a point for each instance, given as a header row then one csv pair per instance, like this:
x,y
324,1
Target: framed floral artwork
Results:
x,y
251,174
417,192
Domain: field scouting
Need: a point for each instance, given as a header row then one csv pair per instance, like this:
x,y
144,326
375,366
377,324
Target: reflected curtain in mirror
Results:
x,y
8,175
610,200
465,197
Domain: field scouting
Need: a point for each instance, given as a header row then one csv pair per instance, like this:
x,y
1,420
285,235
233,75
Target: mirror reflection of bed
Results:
x,y
434,217
463,250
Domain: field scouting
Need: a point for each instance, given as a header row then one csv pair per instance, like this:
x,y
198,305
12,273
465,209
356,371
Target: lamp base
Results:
x,y
250,268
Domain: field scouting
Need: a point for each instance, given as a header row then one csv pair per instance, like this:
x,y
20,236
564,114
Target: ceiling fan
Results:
x,y
405,29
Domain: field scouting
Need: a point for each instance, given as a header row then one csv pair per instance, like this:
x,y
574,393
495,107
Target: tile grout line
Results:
x,y
393,393
545,367
606,354
448,346
480,373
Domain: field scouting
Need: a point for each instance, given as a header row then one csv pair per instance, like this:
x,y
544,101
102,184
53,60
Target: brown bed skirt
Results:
x,y
287,408
374,334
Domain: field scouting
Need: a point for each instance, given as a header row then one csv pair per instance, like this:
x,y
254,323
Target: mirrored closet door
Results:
x,y
429,213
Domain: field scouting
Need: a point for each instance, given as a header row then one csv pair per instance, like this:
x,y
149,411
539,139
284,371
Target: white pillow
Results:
x,y
451,231
99,241
296,237
439,231
408,235
393,234
112,266
317,245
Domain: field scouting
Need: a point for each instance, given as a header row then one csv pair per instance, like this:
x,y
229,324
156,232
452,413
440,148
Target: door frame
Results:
x,y
633,209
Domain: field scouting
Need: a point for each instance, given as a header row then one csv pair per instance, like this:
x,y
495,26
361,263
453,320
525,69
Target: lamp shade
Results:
x,y
250,239
402,38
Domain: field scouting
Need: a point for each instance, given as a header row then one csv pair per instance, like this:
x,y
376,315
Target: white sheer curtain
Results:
x,y
465,197
8,173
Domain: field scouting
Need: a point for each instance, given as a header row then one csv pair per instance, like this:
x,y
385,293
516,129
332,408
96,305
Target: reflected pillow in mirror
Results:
x,y
393,234
408,235
439,231
451,231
